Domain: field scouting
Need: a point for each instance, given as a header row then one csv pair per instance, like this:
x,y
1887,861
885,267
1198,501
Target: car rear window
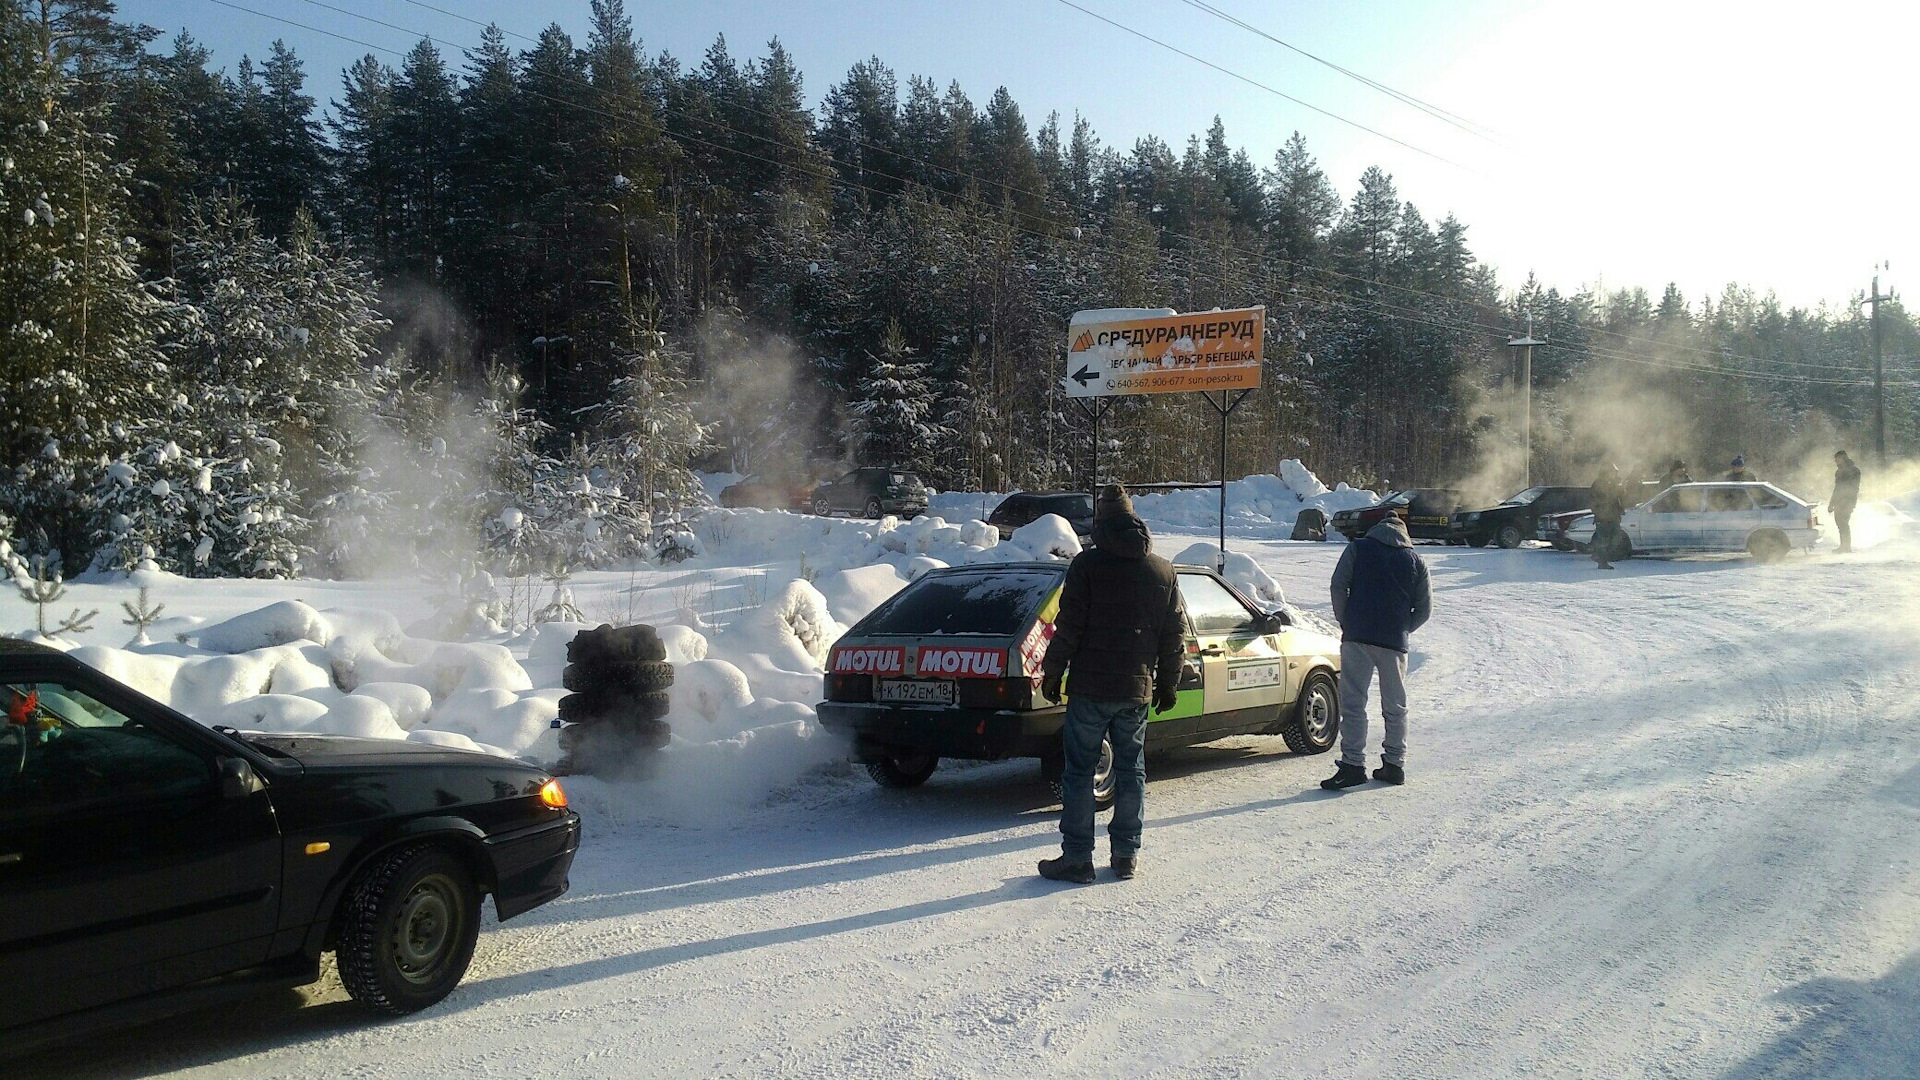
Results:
x,y
984,602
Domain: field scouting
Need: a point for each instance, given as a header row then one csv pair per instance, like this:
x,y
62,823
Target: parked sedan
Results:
x,y
149,863
1524,517
1429,513
1757,518
1026,507
950,667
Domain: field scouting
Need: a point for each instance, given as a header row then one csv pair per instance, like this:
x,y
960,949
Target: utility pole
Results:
x,y
1874,299
1525,345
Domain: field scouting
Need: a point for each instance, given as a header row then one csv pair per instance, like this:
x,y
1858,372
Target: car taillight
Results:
x,y
996,693
553,795
846,687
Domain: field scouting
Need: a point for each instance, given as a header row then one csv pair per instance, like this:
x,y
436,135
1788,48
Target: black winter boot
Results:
x,y
1345,776
1080,873
1389,773
1123,867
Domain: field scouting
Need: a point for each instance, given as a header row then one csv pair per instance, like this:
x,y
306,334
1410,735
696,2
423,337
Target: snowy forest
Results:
x,y
502,303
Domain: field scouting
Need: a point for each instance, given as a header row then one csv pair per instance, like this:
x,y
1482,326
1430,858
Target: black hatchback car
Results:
x,y
872,492
1521,518
1027,507
148,863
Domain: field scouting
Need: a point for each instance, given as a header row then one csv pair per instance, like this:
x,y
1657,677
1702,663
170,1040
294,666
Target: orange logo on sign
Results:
x,y
1082,343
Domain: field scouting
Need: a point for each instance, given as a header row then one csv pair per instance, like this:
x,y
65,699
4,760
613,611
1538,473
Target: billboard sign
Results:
x,y
1110,353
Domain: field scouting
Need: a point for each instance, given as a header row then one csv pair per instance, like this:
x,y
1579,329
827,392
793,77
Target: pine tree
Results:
x,y
893,407
77,325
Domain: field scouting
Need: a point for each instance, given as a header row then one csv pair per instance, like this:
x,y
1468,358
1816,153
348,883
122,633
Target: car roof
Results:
x,y
11,648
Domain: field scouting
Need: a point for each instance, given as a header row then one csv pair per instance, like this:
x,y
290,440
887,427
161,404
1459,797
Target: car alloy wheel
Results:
x,y
821,508
1509,536
873,509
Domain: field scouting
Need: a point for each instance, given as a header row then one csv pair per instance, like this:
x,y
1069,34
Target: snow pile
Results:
x,y
1265,505
1246,575
1047,536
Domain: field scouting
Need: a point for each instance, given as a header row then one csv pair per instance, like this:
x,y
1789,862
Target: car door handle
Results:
x,y
1213,650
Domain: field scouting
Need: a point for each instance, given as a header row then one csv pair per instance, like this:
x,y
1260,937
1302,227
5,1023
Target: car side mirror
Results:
x,y
237,778
1273,622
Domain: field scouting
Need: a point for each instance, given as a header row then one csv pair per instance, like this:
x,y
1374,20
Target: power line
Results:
x,y
1263,86
1456,120
1390,310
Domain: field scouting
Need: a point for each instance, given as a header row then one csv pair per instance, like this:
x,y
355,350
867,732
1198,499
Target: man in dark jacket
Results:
x,y
1677,474
1846,495
1121,630
1609,506
1740,474
1380,596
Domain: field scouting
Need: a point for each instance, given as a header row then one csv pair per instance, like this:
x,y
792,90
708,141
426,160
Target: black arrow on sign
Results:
x,y
1084,376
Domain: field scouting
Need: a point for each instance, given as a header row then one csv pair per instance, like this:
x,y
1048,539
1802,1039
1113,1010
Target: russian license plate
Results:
x,y
915,691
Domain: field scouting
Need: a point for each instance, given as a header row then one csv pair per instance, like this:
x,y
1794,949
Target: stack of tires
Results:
x,y
612,723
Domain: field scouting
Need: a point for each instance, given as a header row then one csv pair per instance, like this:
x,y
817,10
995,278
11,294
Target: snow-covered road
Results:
x,y
1660,822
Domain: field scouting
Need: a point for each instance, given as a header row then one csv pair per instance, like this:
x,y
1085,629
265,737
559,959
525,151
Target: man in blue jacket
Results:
x,y
1380,596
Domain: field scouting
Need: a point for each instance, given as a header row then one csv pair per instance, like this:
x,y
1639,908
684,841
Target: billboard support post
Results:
x,y
1228,402
1096,410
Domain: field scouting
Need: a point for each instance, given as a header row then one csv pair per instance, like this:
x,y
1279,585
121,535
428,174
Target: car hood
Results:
x,y
328,750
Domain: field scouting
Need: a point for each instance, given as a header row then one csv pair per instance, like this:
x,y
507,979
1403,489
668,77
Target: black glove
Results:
x,y
1050,686
1165,698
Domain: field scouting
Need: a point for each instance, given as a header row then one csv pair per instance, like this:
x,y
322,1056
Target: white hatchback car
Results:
x,y
1685,519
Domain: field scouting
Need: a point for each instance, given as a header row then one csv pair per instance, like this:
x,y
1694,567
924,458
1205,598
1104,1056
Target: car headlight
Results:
x,y
1473,517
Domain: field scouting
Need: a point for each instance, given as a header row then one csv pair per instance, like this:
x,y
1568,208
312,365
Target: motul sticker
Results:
x,y
962,663
869,660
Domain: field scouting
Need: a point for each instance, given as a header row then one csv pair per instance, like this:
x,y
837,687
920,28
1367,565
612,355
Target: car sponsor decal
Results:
x,y
1253,676
869,660
1034,649
961,663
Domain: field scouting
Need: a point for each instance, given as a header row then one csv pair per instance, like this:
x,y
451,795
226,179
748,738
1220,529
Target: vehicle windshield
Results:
x,y
976,602
1397,498
1525,497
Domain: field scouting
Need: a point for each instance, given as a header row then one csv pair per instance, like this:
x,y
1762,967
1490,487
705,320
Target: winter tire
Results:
x,y
602,705
1106,779
1314,725
902,770
1769,546
611,644
633,676
873,509
406,929
821,508
1478,541
1509,537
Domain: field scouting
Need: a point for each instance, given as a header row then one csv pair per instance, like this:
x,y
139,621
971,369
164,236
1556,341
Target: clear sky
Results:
x,y
1640,141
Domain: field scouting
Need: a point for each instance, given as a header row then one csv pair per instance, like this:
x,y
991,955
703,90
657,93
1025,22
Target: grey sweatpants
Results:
x,y
1358,663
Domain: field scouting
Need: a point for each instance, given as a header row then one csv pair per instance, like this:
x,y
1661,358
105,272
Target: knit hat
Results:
x,y
1740,462
1113,500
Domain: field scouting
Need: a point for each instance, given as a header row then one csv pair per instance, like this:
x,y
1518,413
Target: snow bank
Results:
x,y
1265,505
1247,576
1047,537
275,624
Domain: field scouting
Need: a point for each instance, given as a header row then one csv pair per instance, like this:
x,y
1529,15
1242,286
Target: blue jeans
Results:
x,y
1125,724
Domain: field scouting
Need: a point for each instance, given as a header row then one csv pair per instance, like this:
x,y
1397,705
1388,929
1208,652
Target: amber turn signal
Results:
x,y
552,795
319,847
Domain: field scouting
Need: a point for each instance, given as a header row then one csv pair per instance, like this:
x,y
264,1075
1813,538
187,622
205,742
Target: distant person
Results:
x,y
1740,473
1609,505
1677,474
1119,639
1380,596
1846,495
